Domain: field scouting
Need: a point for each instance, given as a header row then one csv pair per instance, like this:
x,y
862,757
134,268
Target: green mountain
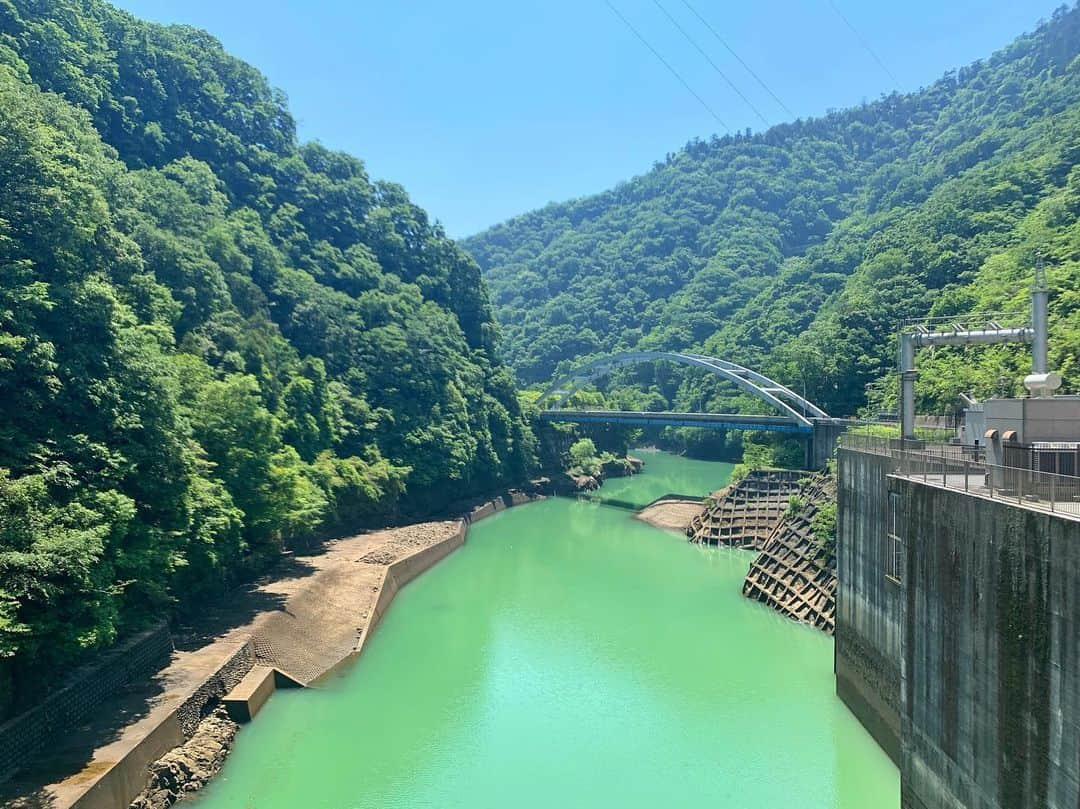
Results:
x,y
214,340
800,250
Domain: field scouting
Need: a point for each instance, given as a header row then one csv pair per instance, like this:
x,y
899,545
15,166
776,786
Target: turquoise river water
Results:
x,y
571,656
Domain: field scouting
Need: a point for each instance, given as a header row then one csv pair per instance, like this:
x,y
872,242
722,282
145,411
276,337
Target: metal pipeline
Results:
x,y
1020,334
1039,382
912,340
1040,297
908,375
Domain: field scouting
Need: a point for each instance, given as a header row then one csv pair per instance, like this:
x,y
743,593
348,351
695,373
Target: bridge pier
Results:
x,y
821,444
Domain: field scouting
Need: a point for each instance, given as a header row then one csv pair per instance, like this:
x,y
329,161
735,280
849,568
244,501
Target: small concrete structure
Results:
x,y
1026,422
250,694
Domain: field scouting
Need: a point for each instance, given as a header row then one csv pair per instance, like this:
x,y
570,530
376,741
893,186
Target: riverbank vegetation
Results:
x,y
215,342
218,343
798,251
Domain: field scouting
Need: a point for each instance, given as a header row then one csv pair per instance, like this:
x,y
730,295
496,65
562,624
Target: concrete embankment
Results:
x,y
165,738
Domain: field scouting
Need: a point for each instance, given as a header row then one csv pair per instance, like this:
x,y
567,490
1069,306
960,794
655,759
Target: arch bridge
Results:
x,y
794,413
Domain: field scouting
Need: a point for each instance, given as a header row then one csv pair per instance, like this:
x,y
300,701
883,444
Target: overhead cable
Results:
x,y
863,41
715,67
731,50
666,64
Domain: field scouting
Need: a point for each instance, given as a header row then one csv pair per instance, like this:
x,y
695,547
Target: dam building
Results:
x,y
958,600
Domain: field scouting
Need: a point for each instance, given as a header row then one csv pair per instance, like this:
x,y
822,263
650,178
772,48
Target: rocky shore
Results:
x,y
188,768
566,483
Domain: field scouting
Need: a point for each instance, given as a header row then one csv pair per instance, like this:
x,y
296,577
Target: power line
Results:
x,y
715,67
730,50
665,63
863,41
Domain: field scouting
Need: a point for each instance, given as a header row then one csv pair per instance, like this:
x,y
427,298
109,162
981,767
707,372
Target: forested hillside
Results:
x,y
214,341
799,251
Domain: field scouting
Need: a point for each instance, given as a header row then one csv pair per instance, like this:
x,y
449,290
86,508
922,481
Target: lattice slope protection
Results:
x,y
744,514
795,573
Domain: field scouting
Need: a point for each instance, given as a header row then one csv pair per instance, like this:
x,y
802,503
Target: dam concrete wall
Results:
x,y
868,604
991,653
958,638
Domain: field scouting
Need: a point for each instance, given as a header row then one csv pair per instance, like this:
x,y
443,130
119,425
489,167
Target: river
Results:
x,y
571,656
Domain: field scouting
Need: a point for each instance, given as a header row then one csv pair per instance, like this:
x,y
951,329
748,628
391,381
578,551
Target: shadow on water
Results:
x,y
633,505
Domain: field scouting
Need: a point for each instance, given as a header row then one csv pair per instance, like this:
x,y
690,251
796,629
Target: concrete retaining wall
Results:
x,y
126,778
221,682
991,659
868,605
126,774
88,687
123,774
500,504
403,571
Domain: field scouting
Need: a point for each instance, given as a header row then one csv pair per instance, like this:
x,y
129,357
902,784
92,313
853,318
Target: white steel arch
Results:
x,y
785,400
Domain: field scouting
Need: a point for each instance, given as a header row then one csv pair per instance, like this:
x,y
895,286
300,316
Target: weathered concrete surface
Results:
x,y
868,605
249,695
406,568
822,444
991,659
324,611
402,571
140,727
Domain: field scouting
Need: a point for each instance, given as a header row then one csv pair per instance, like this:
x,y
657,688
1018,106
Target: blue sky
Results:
x,y
484,109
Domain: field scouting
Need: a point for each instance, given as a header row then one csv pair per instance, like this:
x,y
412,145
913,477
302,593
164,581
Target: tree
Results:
x,y
214,341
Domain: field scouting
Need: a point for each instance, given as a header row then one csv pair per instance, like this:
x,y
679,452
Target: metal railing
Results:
x,y
964,468
975,320
881,445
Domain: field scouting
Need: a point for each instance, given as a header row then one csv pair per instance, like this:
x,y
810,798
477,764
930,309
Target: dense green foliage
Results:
x,y
800,250
823,525
584,457
214,341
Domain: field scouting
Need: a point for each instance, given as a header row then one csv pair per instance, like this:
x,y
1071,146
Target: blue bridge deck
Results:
x,y
714,421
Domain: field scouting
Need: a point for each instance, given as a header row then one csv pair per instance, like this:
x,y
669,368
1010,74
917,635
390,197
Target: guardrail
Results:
x,y
964,468
882,445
